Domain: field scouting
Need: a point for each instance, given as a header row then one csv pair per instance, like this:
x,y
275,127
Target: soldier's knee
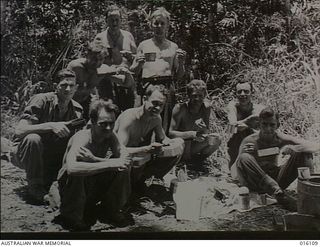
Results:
x,y
178,144
32,139
243,158
216,143
179,141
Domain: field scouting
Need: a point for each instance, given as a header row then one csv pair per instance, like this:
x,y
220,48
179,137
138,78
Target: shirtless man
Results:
x,y
95,169
190,121
42,134
242,116
135,127
160,60
259,171
121,47
88,75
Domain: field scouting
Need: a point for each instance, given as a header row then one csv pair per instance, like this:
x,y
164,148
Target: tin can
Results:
x,y
263,199
150,56
304,173
245,201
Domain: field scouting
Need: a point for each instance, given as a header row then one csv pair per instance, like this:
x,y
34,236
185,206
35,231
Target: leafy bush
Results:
x,y
274,44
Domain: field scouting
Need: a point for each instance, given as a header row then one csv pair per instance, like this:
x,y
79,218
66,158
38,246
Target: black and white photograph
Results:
x,y
160,119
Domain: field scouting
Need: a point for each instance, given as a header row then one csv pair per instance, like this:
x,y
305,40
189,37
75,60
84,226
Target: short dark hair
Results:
x,y
151,88
196,85
96,106
243,82
97,47
112,8
268,112
64,73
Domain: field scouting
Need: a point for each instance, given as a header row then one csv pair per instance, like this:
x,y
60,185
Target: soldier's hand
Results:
x,y
241,126
288,150
156,148
199,137
85,155
125,161
126,54
60,129
141,59
249,148
201,126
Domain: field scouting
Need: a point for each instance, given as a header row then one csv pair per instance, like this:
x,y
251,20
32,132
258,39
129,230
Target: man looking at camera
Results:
x,y
243,117
121,47
256,165
190,121
160,61
43,132
95,170
135,128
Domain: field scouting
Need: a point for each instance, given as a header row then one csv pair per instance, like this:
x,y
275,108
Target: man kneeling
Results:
x,y
190,121
95,170
256,165
135,129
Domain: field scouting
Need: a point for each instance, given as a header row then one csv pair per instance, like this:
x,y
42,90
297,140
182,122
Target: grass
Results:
x,y
9,118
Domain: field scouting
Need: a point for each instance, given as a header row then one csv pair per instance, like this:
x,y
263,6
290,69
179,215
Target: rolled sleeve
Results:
x,y
34,110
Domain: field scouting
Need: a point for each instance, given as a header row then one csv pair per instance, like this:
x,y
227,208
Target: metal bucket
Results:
x,y
309,195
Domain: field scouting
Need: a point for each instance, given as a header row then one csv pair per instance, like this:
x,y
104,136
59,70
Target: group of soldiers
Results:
x,y
134,132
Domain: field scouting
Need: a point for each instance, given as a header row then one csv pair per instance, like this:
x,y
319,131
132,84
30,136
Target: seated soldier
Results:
x,y
243,117
159,60
88,78
95,169
190,121
135,128
43,132
257,167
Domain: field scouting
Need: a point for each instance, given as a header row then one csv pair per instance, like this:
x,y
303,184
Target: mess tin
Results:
x,y
150,56
268,151
157,145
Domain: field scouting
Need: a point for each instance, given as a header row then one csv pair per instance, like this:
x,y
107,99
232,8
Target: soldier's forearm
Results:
x,y
91,168
186,135
307,147
135,150
25,129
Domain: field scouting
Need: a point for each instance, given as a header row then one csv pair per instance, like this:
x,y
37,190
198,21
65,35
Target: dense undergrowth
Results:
x,y
273,44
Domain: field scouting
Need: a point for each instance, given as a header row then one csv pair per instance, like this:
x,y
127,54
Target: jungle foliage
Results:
x,y
275,44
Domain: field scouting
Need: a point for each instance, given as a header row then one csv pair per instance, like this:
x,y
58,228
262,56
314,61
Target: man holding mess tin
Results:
x,y
140,130
122,48
190,121
257,163
160,61
94,181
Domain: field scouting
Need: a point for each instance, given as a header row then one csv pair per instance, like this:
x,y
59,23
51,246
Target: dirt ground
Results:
x,y
17,215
